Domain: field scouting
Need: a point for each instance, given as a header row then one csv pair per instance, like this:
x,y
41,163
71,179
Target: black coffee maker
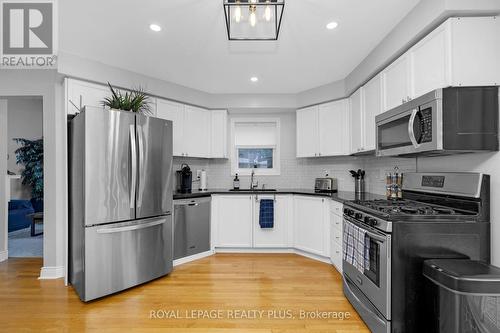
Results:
x,y
184,179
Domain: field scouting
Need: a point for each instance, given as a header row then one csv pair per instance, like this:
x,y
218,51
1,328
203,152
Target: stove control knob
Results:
x,y
367,219
350,212
373,222
358,216
346,210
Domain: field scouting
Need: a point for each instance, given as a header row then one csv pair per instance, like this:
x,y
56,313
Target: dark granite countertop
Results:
x,y
341,196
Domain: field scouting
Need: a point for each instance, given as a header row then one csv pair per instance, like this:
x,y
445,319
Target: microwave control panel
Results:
x,y
426,125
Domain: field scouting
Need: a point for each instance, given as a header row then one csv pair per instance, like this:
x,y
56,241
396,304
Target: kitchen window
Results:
x,y
255,146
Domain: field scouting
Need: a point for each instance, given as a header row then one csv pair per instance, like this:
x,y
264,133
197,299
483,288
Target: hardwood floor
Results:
x,y
280,285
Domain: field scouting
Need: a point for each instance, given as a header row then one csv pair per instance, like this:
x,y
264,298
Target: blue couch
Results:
x,y
18,214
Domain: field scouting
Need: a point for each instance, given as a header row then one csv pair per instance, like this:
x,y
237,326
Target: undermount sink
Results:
x,y
254,190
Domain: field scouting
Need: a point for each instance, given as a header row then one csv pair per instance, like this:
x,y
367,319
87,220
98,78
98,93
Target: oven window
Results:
x,y
373,248
394,134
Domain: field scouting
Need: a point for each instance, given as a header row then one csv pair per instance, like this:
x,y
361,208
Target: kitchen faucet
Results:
x,y
253,185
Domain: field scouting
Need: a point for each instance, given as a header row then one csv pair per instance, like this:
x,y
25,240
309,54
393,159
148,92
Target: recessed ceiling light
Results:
x,y
332,25
254,79
155,27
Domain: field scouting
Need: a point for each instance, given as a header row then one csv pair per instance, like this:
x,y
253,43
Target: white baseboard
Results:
x,y
252,250
197,256
275,250
312,256
4,255
54,272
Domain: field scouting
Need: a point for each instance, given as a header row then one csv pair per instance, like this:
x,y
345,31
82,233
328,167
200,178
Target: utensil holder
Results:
x,y
359,186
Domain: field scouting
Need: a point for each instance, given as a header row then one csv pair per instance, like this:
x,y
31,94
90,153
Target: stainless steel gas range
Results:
x,y
441,215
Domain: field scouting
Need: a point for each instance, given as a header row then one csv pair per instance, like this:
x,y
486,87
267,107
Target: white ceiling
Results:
x,y
193,50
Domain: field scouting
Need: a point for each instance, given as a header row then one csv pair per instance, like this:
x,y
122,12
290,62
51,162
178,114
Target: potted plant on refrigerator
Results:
x,y
134,101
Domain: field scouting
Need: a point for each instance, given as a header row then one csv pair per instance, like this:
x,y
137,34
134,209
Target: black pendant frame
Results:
x,y
279,7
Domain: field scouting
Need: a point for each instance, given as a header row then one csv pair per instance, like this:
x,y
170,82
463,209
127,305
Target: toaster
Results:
x,y
326,185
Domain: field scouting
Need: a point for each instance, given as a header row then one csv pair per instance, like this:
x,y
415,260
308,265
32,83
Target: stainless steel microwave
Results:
x,y
444,121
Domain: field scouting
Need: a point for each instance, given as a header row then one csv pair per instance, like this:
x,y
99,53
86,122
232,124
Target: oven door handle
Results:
x,y
368,232
411,132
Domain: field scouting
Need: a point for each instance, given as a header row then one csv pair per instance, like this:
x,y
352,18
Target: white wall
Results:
x,y
25,121
3,180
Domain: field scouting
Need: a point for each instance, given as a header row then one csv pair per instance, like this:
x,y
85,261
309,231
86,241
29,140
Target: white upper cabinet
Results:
x,y
396,83
219,134
429,61
175,112
81,93
356,120
192,128
333,123
462,51
197,124
307,132
475,51
323,130
372,106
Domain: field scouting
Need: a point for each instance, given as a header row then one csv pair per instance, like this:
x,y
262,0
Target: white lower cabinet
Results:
x,y
232,221
311,227
300,222
236,222
336,235
279,236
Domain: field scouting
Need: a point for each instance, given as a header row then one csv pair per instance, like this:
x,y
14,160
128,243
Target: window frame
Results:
x,y
276,170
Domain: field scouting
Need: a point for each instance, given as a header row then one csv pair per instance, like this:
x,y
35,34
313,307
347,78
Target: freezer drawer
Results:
x,y
191,227
121,255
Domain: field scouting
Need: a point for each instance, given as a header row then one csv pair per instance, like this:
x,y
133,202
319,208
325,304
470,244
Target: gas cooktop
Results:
x,y
409,207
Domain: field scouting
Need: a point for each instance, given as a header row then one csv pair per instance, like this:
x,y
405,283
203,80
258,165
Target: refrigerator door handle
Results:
x,y
131,227
133,153
140,138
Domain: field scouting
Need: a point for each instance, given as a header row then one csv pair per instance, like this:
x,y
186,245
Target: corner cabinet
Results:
x,y
311,226
323,130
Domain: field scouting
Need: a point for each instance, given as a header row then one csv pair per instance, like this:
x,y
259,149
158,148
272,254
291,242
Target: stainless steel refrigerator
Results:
x,y
120,201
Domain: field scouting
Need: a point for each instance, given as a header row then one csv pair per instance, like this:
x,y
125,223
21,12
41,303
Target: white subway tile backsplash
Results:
x,y
301,172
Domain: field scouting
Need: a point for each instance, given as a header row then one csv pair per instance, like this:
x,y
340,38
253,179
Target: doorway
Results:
x,y
24,182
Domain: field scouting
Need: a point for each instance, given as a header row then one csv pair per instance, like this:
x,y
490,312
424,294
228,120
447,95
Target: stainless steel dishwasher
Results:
x,y
191,226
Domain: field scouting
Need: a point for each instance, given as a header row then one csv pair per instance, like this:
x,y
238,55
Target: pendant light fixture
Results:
x,y
253,19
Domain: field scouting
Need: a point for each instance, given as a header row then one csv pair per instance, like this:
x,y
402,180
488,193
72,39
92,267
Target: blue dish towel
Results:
x,y
266,213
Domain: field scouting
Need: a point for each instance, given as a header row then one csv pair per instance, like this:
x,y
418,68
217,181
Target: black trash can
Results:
x,y
463,296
